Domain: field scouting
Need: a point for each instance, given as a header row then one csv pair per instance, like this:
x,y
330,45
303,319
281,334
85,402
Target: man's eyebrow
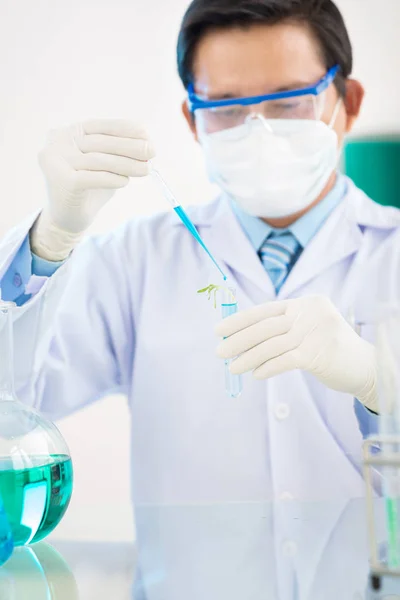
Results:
x,y
298,85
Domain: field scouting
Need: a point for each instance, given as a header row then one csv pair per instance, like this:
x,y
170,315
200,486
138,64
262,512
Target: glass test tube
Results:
x,y
229,306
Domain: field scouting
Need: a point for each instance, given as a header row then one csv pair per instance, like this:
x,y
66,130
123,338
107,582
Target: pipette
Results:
x,y
179,210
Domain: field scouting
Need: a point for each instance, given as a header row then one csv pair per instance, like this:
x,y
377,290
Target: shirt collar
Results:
x,y
303,229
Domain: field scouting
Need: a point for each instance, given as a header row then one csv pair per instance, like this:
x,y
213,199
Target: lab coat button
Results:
x,y
289,548
282,411
17,281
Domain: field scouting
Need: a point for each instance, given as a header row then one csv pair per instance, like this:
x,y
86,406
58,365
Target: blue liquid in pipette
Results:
x,y
189,225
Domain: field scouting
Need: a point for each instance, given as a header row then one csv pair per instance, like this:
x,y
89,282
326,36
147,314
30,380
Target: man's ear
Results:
x,y
353,101
189,119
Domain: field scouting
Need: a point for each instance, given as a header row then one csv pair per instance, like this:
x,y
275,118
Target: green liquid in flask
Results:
x,y
36,498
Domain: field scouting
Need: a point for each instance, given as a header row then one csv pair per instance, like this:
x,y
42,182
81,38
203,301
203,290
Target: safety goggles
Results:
x,y
219,115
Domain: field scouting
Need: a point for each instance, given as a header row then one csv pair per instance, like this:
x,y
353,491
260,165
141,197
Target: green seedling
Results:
x,y
212,291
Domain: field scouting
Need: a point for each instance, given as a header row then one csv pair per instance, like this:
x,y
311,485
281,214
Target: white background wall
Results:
x,y
67,60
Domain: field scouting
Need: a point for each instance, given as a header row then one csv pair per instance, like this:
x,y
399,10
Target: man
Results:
x,y
270,99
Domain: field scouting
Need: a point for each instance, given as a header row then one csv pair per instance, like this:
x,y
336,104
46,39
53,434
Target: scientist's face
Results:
x,y
264,59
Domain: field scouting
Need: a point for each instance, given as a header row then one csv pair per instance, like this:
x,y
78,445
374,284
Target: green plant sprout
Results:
x,y
212,290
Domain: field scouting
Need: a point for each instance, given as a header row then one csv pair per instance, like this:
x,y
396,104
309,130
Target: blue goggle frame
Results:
x,y
196,102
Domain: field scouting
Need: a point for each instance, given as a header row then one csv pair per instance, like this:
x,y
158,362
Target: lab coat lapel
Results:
x,y
339,238
231,246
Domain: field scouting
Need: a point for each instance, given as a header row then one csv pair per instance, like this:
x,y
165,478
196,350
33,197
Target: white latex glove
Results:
x,y
84,165
306,333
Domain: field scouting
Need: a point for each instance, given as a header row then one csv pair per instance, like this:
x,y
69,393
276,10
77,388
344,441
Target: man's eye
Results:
x,y
232,111
282,106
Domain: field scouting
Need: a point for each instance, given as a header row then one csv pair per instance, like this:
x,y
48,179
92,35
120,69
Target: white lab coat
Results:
x,y
123,315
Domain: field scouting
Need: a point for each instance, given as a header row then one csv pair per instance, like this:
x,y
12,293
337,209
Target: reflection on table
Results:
x,y
287,551
37,573
69,571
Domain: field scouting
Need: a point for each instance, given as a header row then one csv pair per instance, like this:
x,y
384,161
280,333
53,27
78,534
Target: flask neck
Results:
x,y
7,391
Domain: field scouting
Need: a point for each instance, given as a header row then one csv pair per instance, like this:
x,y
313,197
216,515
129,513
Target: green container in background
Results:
x,y
373,163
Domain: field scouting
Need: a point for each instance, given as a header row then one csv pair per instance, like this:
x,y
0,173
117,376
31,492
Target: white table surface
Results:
x,y
304,552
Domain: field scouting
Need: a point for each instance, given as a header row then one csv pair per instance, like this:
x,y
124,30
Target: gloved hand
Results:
x,y
306,333
84,165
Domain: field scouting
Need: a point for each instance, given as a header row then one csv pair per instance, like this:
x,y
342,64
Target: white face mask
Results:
x,y
274,168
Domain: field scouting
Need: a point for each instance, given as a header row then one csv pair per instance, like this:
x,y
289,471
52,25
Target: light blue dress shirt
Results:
x,y
19,273
304,229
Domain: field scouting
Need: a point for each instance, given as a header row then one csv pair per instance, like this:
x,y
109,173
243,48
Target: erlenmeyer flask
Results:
x,y
35,465
6,538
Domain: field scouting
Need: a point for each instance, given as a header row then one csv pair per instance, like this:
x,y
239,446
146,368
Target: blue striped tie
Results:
x,y
278,255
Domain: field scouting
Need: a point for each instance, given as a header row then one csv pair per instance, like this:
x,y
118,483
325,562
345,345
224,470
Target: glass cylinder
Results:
x,y
36,475
388,354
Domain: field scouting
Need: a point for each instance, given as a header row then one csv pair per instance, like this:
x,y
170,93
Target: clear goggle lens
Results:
x,y
222,118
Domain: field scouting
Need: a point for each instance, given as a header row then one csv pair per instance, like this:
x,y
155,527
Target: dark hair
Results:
x,y
322,17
